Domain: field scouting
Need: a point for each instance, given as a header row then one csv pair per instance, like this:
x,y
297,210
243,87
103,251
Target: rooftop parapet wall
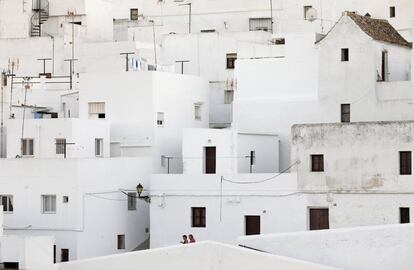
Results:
x,y
202,256
378,247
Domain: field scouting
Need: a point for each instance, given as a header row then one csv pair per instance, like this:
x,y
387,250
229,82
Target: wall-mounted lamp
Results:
x,y
140,189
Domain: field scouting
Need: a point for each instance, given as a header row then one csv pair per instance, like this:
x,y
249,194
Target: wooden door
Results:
x,y
319,219
252,225
210,160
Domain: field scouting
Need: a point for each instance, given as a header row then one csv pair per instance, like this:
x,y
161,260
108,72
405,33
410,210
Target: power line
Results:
x,y
263,180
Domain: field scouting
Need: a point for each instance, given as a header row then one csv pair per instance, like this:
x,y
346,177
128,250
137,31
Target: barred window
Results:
x,y
48,204
60,146
132,201
7,202
27,147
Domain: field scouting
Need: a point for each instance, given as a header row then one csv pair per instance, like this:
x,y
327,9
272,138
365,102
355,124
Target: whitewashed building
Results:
x,y
341,178
340,80
18,252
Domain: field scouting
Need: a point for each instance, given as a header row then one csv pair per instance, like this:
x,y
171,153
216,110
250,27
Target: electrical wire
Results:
x,y
263,180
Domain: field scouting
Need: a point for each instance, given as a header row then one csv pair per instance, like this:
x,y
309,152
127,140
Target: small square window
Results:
x,y
160,119
392,12
198,217
7,202
121,241
345,55
48,204
197,111
317,163
65,199
96,110
305,11
231,60
134,14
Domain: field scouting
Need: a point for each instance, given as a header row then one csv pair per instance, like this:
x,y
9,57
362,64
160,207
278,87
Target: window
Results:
x,y
96,110
404,215
317,163
48,204
405,163
7,202
121,241
231,60
345,55
260,24
160,119
64,255
198,217
60,146
99,147
197,111
27,147
228,96
305,11
279,41
392,12
133,14
65,199
345,113
132,201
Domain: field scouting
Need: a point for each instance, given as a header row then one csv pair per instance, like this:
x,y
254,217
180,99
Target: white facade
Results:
x,y
89,206
80,137
325,83
32,253
360,184
233,151
379,247
132,111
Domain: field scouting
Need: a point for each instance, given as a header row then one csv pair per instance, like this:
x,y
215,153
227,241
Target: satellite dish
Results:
x,y
311,14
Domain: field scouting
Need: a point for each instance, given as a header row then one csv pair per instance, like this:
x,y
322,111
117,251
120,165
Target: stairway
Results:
x,y
40,16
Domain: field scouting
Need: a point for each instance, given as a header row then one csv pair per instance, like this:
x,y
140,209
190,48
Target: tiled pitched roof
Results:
x,y
380,30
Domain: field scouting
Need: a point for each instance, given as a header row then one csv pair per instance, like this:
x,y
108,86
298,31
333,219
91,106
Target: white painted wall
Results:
x,y
174,195
32,253
352,158
281,204
92,185
206,255
327,83
382,247
132,101
80,134
232,151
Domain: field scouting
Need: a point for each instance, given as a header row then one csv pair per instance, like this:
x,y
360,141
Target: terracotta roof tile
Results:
x,y
378,29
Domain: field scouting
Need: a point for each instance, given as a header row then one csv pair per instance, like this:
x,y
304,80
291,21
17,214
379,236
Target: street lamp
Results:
x,y
140,189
